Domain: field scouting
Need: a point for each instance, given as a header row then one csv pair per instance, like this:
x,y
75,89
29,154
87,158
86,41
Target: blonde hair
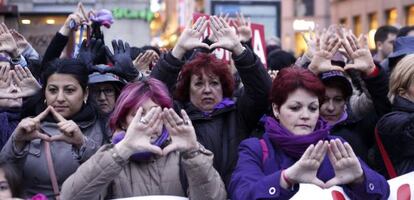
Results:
x,y
401,76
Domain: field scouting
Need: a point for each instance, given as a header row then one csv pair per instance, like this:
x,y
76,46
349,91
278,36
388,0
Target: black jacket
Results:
x,y
396,130
359,132
223,129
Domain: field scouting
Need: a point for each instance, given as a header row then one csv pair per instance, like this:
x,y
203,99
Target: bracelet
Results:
x,y
118,159
374,73
286,179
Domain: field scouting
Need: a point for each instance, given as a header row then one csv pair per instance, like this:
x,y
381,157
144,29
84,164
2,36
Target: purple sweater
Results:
x,y
253,180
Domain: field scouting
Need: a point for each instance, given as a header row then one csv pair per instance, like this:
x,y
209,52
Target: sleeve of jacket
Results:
x,y
55,48
88,148
374,186
167,70
92,177
253,103
10,152
204,182
249,182
378,88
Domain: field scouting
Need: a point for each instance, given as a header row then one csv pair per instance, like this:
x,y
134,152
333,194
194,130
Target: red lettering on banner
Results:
x,y
336,195
404,192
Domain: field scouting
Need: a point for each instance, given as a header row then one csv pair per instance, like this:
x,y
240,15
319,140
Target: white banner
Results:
x,y
401,188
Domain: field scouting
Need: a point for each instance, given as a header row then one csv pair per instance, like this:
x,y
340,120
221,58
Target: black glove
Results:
x,y
88,53
122,61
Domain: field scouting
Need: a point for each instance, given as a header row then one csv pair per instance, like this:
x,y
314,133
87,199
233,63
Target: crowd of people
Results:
x,y
94,122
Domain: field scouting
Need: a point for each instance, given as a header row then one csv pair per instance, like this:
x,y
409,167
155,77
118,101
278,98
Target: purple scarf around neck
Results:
x,y
226,102
294,145
143,155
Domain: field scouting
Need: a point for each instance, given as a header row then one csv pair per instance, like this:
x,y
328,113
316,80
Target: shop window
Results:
x,y
357,25
410,15
304,8
300,44
344,22
373,26
391,17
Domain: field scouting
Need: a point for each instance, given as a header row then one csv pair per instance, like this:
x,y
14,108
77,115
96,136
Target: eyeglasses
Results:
x,y
107,92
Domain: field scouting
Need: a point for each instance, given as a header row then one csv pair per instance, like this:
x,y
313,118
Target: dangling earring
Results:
x,y
84,101
45,102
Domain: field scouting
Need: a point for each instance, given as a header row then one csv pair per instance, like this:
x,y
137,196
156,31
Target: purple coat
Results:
x,y
253,179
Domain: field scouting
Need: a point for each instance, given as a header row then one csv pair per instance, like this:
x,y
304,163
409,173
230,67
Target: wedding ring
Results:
x,y
143,121
180,123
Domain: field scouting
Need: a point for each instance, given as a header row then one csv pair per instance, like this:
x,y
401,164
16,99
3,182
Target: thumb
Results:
x,y
168,149
319,183
215,45
155,149
59,137
42,136
351,66
334,181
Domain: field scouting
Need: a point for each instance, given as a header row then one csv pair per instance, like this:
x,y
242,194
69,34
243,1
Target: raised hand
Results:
x,y
71,132
21,41
25,80
74,20
310,40
243,28
358,51
7,43
89,52
306,168
326,46
140,132
211,36
121,58
190,38
181,130
29,129
345,164
143,60
226,36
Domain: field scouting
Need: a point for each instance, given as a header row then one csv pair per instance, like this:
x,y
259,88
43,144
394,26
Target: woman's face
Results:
x,y
5,192
205,91
333,106
299,113
105,96
146,107
64,93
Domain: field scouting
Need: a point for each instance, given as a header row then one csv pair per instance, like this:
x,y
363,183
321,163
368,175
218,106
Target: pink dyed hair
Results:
x,y
134,95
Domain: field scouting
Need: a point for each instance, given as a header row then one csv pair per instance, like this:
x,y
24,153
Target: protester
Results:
x,y
357,130
205,86
296,141
150,137
384,42
395,128
66,126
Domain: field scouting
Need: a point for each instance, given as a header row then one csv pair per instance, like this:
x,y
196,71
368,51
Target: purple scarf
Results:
x,y
226,102
294,145
143,155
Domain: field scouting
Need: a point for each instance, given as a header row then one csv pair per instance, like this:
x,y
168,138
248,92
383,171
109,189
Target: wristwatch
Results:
x,y
194,153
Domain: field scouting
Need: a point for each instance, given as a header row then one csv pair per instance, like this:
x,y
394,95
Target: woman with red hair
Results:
x,y
297,148
204,89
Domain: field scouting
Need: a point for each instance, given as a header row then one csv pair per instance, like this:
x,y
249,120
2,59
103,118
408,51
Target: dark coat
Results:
x,y
396,130
222,130
254,178
359,132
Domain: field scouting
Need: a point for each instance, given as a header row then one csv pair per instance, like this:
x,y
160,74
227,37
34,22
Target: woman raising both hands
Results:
x,y
151,145
297,148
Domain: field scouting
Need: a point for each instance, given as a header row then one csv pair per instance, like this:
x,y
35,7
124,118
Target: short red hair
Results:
x,y
291,78
210,64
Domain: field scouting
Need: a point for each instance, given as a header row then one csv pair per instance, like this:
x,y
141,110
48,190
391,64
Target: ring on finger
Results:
x,y
143,121
180,123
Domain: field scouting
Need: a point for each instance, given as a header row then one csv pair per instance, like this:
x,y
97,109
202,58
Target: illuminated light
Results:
x,y
371,41
26,21
50,21
303,25
155,6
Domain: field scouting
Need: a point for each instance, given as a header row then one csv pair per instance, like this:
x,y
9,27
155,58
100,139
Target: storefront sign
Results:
x,y
125,13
